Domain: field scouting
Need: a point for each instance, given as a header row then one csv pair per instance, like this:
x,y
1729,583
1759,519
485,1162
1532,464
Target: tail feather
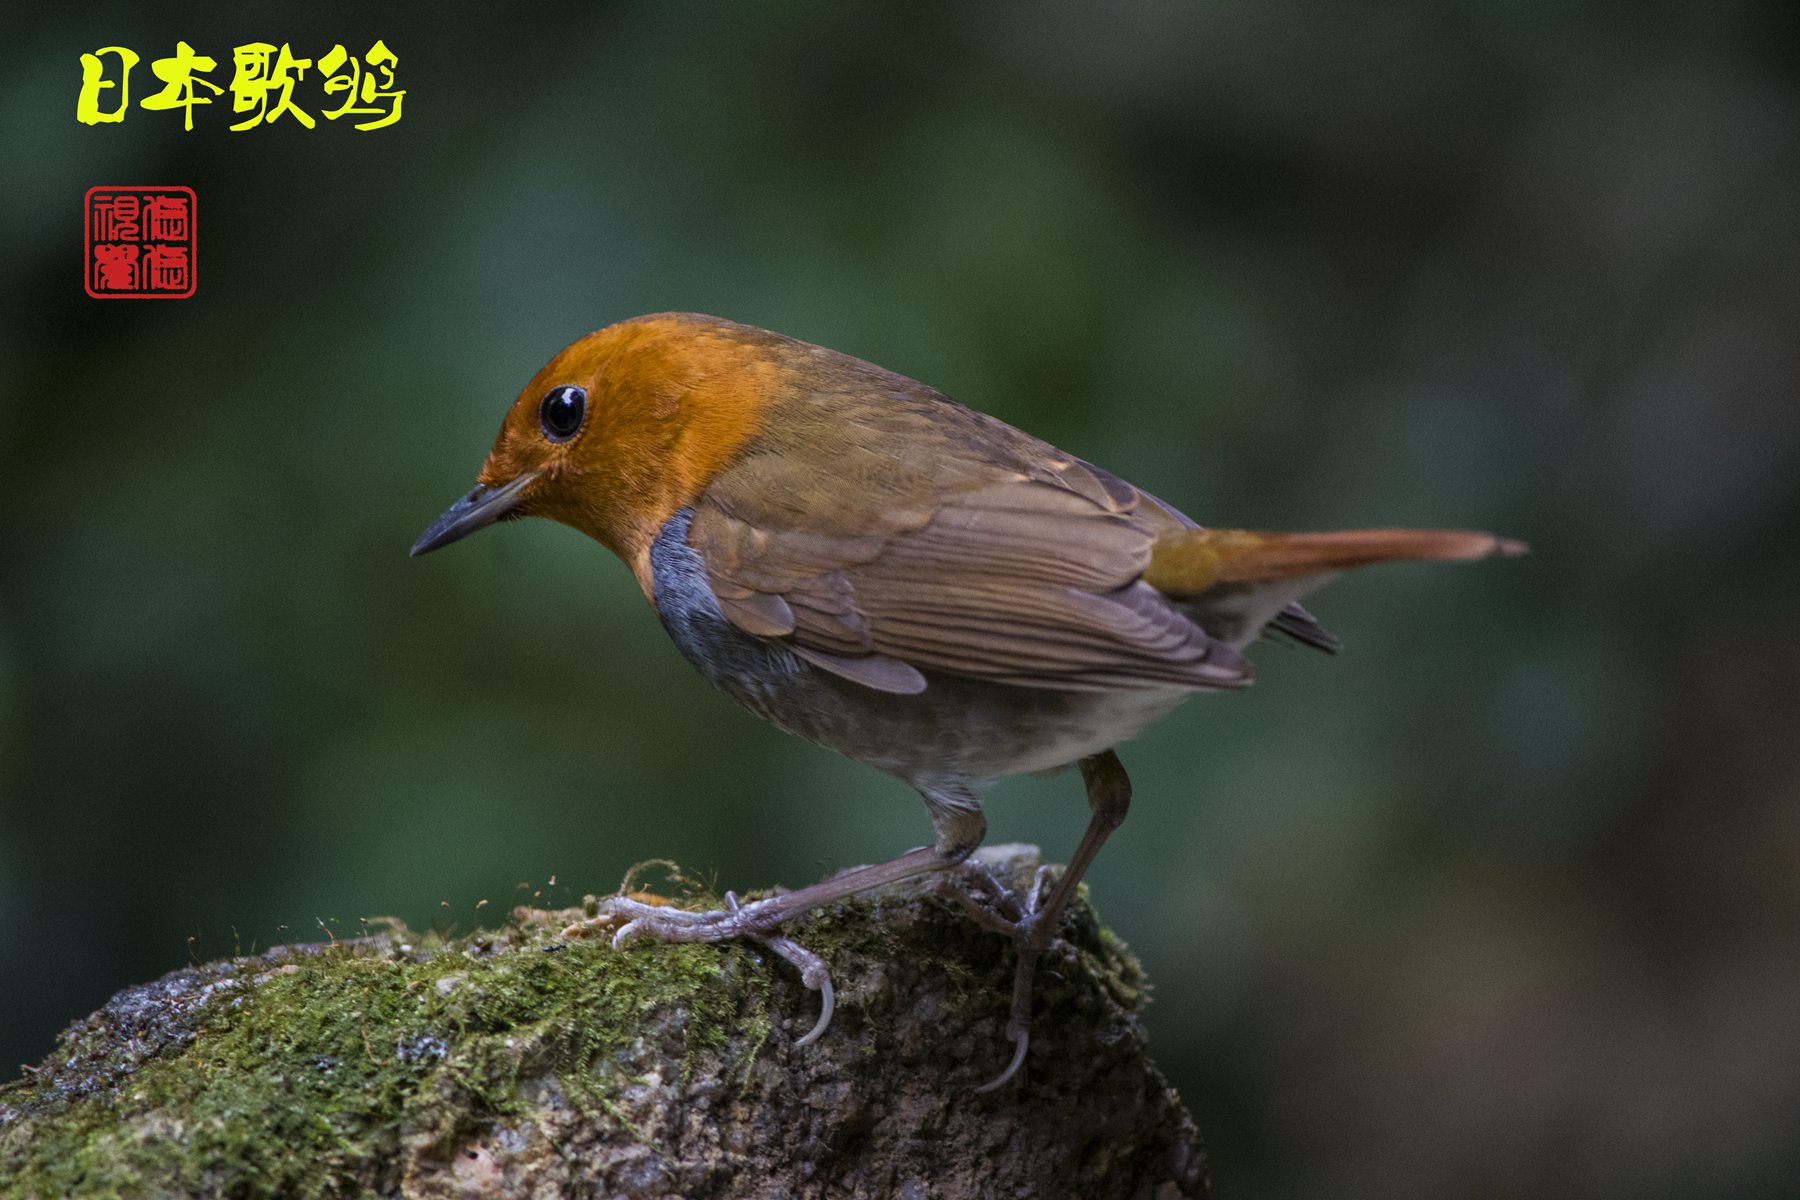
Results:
x,y
1235,582
1293,623
1189,562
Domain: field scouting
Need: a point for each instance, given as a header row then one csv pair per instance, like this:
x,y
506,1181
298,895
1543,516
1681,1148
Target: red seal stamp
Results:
x,y
139,243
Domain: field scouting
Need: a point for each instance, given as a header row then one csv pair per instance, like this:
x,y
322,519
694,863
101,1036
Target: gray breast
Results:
x,y
958,731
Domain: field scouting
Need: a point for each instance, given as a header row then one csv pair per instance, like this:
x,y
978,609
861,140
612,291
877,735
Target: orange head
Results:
x,y
621,429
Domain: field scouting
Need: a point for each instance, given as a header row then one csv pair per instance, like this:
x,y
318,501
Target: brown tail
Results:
x,y
1184,565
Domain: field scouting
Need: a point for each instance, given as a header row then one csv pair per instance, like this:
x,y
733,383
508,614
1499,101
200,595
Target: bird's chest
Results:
x,y
958,730
761,676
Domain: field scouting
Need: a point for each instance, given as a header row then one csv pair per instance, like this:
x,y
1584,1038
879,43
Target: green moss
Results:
x,y
295,1077
314,1072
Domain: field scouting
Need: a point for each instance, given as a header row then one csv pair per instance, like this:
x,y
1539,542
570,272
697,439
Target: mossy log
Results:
x,y
516,1062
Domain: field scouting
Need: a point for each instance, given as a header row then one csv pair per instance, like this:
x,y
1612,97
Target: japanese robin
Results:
x,y
868,564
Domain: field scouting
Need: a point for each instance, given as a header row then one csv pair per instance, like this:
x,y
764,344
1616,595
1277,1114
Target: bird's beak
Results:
x,y
477,510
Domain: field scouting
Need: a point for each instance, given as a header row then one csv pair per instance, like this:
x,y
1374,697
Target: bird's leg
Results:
x,y
957,821
1109,796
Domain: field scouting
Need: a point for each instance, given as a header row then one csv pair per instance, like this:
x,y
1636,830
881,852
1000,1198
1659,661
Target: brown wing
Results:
x,y
1018,564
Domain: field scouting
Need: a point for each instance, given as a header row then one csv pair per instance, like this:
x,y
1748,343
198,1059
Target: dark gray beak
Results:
x,y
477,510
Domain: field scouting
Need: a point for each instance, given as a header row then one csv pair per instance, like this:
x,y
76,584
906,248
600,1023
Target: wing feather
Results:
x,y
1023,572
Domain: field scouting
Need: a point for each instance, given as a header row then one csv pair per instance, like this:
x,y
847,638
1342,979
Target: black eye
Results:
x,y
561,411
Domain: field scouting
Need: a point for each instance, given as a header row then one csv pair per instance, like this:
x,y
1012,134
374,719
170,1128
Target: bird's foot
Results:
x,y
1022,918
629,918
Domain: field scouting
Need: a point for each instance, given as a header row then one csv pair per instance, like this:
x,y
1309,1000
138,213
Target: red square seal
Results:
x,y
139,243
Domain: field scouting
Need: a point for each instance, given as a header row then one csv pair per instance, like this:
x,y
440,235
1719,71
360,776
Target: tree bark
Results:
x,y
519,1063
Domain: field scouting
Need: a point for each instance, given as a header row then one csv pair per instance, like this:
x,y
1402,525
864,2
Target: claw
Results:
x,y
1028,932
982,912
736,920
813,973
827,1005
1020,1044
1005,904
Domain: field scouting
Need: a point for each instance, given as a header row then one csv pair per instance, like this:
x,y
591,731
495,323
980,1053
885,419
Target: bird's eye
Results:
x,y
561,411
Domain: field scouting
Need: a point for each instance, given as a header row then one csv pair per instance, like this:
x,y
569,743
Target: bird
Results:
x,y
863,562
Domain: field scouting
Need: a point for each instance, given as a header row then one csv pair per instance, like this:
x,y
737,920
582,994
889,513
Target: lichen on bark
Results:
x,y
518,1062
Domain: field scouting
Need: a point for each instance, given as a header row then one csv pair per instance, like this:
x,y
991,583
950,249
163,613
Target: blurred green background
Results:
x,y
1504,900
